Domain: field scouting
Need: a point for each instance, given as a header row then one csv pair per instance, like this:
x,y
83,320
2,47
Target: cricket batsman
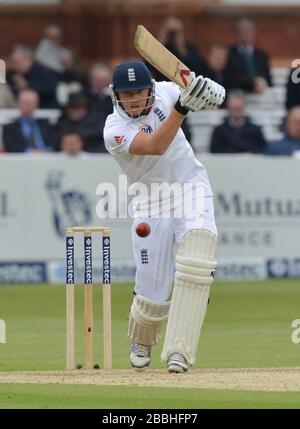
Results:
x,y
144,135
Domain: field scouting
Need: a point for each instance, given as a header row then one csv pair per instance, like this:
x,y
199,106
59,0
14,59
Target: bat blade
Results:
x,y
161,58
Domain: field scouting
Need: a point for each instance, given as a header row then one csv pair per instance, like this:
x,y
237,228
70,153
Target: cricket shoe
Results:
x,y
140,356
177,363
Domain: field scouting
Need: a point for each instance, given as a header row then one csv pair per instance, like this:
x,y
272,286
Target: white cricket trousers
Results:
x,y
155,254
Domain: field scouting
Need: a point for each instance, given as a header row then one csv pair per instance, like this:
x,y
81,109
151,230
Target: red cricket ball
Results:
x,y
143,229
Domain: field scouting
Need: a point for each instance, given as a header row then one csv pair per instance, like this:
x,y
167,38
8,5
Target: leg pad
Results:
x,y
145,320
195,267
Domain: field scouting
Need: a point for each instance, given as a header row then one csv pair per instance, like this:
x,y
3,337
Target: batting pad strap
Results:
x,y
196,262
145,320
193,270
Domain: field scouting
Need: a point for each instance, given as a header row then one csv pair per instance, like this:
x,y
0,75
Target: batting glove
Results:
x,y
202,93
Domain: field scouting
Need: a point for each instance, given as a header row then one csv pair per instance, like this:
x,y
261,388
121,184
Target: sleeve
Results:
x,y
266,69
40,51
260,142
11,139
118,137
293,90
171,89
43,81
217,141
277,148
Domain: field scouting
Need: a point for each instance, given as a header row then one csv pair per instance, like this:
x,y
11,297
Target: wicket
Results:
x,y
88,296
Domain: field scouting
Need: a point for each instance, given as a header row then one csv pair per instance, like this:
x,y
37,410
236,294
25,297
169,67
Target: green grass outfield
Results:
x,y
248,324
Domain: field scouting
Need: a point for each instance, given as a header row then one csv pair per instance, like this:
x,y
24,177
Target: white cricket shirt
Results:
x,y
177,165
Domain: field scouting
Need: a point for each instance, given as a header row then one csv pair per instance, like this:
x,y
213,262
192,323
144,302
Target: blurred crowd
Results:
x,y
49,77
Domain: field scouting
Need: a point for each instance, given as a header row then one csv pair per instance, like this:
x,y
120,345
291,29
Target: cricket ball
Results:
x,y
143,229
79,366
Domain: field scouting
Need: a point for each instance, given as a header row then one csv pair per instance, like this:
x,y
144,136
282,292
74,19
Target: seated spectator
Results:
x,y
71,145
25,73
237,134
28,134
51,54
7,99
248,66
79,117
293,87
216,66
290,143
172,36
100,77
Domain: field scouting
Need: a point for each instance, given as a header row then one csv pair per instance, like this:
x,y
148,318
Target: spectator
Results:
x,y
173,37
293,88
79,117
248,67
290,143
7,99
98,89
25,73
71,145
28,134
216,66
49,52
237,134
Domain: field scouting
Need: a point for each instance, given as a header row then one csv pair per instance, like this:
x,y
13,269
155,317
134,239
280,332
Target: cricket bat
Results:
x,y
161,58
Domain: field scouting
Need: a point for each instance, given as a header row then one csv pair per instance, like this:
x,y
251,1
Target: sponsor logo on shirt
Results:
x,y
119,139
146,129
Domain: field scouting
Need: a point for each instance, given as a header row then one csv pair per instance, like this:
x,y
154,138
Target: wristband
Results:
x,y
180,109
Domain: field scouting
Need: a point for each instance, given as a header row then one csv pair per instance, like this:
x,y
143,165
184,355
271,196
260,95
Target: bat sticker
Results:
x,y
184,73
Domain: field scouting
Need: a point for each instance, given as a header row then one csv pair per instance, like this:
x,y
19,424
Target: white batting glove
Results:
x,y
202,93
